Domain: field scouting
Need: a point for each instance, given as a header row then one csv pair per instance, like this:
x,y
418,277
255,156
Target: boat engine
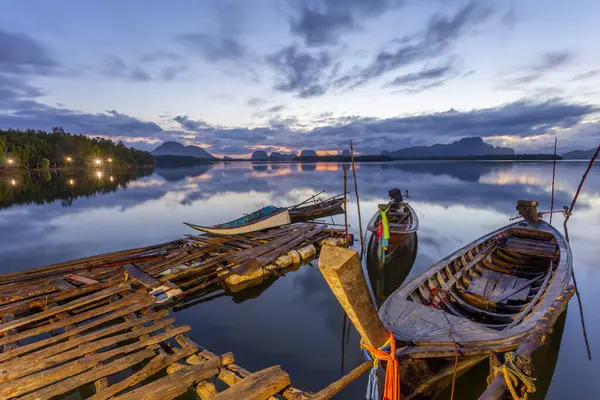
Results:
x,y
396,196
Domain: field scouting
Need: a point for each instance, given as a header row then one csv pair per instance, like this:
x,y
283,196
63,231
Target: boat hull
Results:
x,y
319,210
272,221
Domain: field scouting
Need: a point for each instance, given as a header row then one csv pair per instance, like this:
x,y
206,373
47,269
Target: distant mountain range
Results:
x,y
177,149
579,154
467,147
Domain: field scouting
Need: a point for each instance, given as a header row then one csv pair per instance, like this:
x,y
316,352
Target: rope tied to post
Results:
x,y
513,375
391,389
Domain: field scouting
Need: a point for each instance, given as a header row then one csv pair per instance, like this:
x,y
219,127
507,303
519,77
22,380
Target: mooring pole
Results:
x,y
345,207
553,175
362,242
343,272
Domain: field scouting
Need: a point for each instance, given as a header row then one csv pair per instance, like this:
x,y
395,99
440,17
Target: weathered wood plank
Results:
x,y
89,376
340,384
61,284
506,283
43,378
142,277
258,386
69,306
477,286
129,303
11,343
156,364
176,384
81,279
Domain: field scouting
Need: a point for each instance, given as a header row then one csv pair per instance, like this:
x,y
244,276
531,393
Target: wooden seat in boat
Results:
x,y
531,247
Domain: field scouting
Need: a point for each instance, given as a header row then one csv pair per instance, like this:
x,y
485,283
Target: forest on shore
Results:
x,y
59,149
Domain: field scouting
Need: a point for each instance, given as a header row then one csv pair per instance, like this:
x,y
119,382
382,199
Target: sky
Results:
x,y
287,75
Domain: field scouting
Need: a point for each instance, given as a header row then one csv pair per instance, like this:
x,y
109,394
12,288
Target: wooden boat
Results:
x,y
320,209
486,297
402,218
265,218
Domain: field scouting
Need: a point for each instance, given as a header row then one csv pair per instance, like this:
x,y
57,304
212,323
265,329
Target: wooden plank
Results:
x,y
506,283
43,378
81,279
522,294
156,364
258,386
69,306
63,285
128,304
174,385
68,350
89,376
477,286
11,343
142,277
337,386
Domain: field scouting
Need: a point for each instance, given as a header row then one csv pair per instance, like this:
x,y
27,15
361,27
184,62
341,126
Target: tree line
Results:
x,y
42,150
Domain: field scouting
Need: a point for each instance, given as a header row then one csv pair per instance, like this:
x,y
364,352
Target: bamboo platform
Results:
x,y
100,326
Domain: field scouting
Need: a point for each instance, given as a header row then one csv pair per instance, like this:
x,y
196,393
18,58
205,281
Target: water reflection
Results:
x,y
397,266
43,187
295,320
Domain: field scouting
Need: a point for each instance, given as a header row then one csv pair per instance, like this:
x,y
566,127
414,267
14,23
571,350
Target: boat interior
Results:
x,y
496,283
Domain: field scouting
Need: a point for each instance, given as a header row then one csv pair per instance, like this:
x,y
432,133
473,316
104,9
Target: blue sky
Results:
x,y
235,76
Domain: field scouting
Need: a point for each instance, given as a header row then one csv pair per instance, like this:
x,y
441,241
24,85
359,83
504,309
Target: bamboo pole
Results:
x,y
553,175
362,242
343,272
341,383
534,341
345,207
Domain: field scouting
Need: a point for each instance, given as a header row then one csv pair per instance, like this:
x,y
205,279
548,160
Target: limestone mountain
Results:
x,y
467,147
177,149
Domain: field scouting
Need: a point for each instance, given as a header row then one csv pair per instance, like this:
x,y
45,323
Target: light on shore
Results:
x,y
13,182
109,160
98,161
99,174
71,182
10,161
68,159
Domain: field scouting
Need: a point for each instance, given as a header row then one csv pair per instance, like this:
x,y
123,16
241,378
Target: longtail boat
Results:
x,y
272,216
319,209
486,297
402,219
265,218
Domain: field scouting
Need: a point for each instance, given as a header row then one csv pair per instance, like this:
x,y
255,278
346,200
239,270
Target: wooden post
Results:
x,y
345,208
553,175
534,341
342,270
362,242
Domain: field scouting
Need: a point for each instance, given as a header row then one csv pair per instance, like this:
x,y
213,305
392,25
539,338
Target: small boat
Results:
x,y
271,217
402,218
320,209
486,297
265,218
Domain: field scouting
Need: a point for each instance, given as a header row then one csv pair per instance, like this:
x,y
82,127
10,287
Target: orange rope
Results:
x,y
391,390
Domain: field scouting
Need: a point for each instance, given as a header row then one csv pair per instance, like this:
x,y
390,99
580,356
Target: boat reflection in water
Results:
x,y
399,260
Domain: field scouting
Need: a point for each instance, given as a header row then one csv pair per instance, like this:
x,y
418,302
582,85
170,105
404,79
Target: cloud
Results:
x,y
522,119
300,72
552,60
159,67
22,54
322,22
213,48
256,101
160,55
586,75
545,64
440,34
426,78
20,109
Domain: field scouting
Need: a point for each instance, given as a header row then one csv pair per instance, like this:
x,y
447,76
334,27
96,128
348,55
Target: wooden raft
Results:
x,y
176,270
114,344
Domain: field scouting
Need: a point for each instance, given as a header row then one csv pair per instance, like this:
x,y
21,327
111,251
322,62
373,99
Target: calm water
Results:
x,y
295,321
